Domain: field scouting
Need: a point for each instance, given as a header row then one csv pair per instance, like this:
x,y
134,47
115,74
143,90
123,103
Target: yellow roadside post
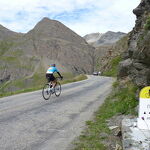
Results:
x,y
143,121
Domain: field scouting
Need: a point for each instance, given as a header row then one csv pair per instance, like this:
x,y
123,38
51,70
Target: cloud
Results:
x,y
82,16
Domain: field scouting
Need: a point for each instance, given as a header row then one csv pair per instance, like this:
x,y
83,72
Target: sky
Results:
x,y
81,16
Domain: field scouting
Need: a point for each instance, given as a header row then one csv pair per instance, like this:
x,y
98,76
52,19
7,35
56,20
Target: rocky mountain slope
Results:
x,y
6,34
108,38
111,56
107,46
22,56
136,63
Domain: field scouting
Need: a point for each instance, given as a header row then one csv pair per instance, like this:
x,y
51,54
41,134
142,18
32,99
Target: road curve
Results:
x,y
28,122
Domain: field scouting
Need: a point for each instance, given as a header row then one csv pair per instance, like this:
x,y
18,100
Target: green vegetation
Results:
x,y
121,45
34,83
147,25
141,39
17,52
97,64
113,68
9,59
18,83
19,91
143,45
121,101
75,79
5,46
67,75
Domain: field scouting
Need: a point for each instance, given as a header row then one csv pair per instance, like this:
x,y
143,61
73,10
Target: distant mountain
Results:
x,y
107,46
48,42
108,38
93,37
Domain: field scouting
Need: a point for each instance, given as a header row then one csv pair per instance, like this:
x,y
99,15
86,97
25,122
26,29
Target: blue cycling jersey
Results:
x,y
51,70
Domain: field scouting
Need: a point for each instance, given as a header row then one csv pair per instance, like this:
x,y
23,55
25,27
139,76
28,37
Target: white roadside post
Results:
x,y
143,121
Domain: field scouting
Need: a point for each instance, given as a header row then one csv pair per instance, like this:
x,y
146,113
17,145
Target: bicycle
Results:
x,y
48,90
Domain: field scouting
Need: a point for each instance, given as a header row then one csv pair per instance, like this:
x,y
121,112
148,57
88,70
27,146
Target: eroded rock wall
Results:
x,y
136,63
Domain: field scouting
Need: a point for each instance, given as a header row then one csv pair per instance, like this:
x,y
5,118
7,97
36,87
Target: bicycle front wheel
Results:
x,y
57,89
46,92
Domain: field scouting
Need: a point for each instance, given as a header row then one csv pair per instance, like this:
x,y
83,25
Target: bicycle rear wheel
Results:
x,y
57,89
46,92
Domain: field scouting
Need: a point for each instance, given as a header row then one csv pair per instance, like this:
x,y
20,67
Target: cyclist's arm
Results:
x,y
60,75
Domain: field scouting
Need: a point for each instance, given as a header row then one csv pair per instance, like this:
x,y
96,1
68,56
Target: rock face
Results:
x,y
136,63
107,46
53,41
23,55
108,38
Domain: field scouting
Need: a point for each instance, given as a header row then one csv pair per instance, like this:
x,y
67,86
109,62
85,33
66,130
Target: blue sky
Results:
x,y
82,16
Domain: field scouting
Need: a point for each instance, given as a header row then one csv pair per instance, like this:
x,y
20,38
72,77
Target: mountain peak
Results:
x,y
48,28
47,23
45,19
108,38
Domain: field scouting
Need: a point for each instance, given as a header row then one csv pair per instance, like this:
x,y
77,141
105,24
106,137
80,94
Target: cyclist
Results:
x,y
49,74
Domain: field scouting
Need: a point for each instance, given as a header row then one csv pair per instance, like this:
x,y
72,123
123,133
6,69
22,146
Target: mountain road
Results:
x,y
28,122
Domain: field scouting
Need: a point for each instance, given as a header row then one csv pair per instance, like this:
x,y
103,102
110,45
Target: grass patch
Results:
x,y
75,79
17,52
113,68
38,81
20,91
9,59
5,46
121,101
147,25
19,83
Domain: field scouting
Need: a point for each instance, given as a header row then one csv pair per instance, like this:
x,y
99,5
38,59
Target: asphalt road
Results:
x,y
28,122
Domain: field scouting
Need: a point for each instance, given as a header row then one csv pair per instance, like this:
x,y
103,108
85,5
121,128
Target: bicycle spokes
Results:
x,y
57,89
46,92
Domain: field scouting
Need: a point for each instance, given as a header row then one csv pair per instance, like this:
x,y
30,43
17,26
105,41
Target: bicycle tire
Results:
x,y
57,89
46,92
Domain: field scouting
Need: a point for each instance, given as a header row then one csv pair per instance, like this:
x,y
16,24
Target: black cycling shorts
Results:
x,y
50,77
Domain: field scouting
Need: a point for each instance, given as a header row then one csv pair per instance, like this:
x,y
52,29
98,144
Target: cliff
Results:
x,y
136,60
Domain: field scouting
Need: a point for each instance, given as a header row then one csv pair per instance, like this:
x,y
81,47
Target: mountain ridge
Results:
x,y
101,39
48,42
6,34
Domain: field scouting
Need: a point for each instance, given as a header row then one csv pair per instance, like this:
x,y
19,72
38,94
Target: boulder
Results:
x,y
124,67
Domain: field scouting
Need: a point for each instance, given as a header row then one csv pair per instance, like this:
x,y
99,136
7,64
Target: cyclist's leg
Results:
x,y
54,82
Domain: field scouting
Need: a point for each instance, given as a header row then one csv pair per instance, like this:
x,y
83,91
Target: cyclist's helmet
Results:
x,y
53,65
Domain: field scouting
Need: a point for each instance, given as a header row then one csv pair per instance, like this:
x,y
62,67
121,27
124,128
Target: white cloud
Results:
x,y
82,16
116,16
